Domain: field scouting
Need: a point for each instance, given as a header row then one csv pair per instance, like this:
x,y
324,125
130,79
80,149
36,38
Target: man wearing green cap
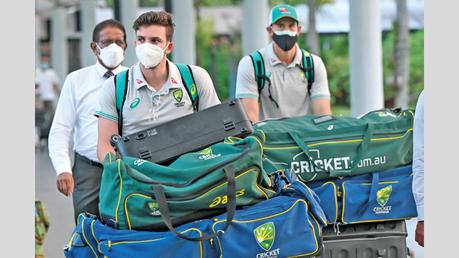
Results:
x,y
282,80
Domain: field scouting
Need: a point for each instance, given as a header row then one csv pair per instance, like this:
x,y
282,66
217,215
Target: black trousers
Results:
x,y
86,175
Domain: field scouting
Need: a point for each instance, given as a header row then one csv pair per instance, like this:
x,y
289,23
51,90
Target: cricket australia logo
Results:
x,y
178,96
382,197
207,154
154,207
265,235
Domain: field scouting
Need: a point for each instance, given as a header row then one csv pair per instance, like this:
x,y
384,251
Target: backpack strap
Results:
x,y
190,85
259,69
121,81
308,68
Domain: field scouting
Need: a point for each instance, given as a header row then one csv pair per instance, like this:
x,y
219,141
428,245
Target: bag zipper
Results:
x,y
218,183
318,142
262,218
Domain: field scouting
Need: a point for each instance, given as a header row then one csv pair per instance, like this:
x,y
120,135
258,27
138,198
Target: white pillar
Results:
x,y
59,52
254,22
38,31
88,21
128,13
184,36
365,57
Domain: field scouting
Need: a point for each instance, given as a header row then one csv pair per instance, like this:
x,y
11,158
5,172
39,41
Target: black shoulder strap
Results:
x,y
121,81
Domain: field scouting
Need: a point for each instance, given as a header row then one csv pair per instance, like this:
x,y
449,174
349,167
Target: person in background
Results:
x,y
290,86
155,93
75,117
418,167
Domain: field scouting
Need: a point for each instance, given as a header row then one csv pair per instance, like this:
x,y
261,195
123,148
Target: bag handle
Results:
x,y
360,151
230,207
374,186
117,142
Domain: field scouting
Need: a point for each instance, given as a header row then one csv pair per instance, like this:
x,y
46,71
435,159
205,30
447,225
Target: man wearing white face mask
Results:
x,y
282,80
75,114
155,92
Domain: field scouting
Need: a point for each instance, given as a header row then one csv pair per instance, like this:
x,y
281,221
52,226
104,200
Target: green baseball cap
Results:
x,y
281,11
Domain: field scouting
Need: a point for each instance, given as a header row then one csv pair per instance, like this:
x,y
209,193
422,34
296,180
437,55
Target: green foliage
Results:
x,y
219,2
416,66
416,80
148,3
335,54
297,2
214,55
220,56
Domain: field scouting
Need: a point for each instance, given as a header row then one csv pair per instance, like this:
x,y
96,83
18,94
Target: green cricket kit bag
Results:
x,y
320,147
138,194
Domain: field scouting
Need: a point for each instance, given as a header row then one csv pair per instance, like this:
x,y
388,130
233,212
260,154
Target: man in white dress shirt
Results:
x,y
418,167
75,114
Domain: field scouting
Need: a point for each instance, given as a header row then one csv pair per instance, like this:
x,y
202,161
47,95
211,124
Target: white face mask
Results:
x,y
111,55
149,55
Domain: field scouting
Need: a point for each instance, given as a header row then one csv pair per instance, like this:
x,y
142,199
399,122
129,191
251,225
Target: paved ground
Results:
x,y
59,207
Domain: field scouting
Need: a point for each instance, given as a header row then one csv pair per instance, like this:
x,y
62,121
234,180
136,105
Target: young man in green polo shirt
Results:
x,y
282,80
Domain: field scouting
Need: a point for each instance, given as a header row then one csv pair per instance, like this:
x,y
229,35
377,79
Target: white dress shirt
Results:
x,y
75,114
418,157
45,78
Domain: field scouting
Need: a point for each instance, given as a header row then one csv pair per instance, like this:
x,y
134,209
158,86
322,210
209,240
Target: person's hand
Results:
x,y
65,183
420,233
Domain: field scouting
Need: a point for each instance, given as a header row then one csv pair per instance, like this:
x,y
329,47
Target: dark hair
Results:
x,y
104,24
156,18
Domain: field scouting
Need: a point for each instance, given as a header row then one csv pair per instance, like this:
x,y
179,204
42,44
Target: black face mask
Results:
x,y
285,42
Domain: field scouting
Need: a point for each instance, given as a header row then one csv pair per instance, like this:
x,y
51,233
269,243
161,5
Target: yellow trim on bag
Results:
x,y
343,201
392,138
94,235
381,183
336,199
158,239
218,186
121,191
344,205
365,221
69,244
338,142
125,205
229,139
261,145
212,189
271,216
84,236
312,194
